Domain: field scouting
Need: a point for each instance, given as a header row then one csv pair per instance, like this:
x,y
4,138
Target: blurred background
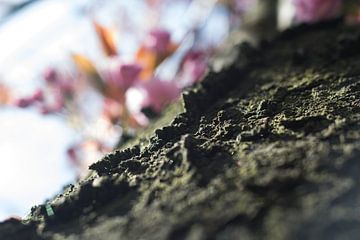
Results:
x,y
48,142
79,77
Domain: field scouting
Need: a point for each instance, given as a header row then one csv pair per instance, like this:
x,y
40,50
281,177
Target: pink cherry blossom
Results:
x,y
60,81
242,6
51,75
311,11
23,102
55,104
158,40
66,87
38,96
124,75
28,101
159,93
193,67
112,110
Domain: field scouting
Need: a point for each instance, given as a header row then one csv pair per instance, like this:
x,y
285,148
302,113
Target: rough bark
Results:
x,y
268,148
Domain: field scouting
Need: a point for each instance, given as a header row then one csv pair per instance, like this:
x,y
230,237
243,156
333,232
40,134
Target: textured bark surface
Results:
x,y
268,148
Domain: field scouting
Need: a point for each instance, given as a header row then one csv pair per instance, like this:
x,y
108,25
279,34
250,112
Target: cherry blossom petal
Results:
x,y
124,76
193,67
160,93
51,75
158,40
23,102
38,96
311,11
242,6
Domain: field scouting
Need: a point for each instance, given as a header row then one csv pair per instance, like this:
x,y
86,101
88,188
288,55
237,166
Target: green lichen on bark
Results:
x,y
268,148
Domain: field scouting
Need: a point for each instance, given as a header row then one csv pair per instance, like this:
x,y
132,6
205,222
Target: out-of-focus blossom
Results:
x,y
123,76
55,105
38,96
193,67
159,93
311,11
116,112
50,75
112,110
59,81
118,79
52,98
63,93
60,88
158,41
23,102
242,6
156,47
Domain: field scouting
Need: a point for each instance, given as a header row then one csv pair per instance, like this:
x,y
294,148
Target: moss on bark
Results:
x,y
268,148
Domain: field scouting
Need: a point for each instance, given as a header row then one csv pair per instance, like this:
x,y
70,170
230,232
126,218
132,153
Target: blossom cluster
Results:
x,y
311,11
125,87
